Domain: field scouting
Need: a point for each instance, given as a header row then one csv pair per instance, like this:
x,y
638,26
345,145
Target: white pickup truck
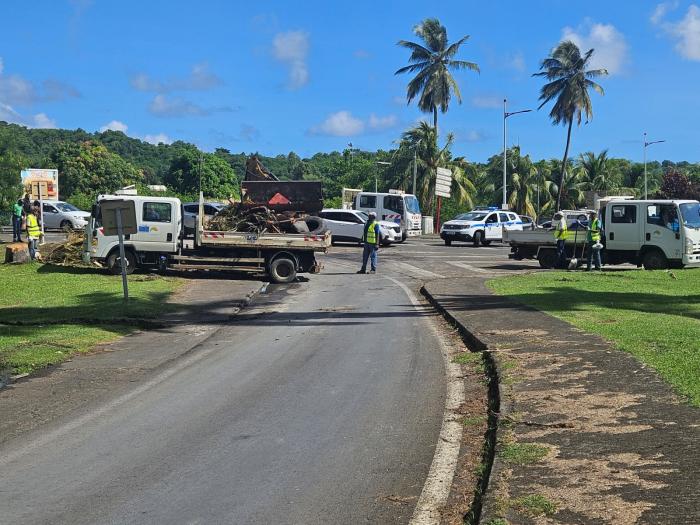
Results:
x,y
656,234
160,242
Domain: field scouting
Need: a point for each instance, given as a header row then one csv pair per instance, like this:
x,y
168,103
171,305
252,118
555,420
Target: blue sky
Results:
x,y
277,76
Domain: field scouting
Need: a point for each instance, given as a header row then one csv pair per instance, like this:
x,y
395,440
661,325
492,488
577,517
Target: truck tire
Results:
x,y
547,259
654,260
283,270
300,227
485,243
316,225
404,235
114,263
478,238
448,242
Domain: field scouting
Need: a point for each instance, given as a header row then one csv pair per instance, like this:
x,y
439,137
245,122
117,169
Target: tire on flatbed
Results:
x,y
283,270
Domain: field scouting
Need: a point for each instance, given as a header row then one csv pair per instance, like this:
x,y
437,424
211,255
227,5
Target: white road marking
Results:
x,y
472,268
415,271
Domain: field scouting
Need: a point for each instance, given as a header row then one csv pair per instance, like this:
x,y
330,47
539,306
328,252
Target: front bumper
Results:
x,y
455,235
691,260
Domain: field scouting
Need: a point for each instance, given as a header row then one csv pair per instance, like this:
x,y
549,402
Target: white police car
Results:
x,y
480,226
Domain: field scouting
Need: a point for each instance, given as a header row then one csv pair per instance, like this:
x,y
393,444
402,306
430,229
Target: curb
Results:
x,y
484,505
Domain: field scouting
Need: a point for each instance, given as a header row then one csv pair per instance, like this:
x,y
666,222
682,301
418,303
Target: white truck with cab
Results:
x,y
655,234
160,243
480,226
394,206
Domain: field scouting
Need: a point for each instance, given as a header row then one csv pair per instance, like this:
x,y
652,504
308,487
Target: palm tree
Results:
x,y
433,62
570,80
596,170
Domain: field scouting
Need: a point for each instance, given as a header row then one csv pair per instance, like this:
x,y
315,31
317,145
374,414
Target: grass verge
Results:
x,y
64,311
654,315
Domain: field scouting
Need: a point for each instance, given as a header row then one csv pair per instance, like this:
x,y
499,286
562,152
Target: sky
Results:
x,y
314,76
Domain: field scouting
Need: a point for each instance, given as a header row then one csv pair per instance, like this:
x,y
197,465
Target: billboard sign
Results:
x,y
443,182
40,183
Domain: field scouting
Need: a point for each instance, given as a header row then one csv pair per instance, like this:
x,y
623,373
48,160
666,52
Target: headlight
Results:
x,y
689,247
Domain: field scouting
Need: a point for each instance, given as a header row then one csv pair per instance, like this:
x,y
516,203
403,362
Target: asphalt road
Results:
x,y
321,404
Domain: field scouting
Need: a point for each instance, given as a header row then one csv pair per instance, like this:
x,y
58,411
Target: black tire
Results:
x,y
316,225
114,263
548,259
300,227
478,238
448,242
654,260
404,235
485,243
67,226
283,270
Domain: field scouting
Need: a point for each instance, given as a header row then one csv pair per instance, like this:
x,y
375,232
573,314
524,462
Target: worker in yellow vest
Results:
x,y
371,238
33,231
560,229
595,228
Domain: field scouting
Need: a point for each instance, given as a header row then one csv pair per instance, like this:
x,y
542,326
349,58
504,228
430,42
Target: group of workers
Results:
x,y
594,231
27,216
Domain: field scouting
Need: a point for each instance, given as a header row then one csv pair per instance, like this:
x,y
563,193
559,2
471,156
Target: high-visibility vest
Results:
x,y
560,230
594,232
371,233
33,230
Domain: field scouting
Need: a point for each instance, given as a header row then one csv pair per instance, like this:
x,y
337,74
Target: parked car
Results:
x,y
528,222
480,226
191,211
349,225
64,216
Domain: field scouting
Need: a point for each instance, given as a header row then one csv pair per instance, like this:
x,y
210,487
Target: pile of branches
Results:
x,y
67,253
259,219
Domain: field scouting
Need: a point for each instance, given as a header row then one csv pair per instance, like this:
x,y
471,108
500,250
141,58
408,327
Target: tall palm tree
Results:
x,y
433,61
596,171
569,81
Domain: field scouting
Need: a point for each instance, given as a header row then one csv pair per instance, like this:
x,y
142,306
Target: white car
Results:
x,y
349,225
480,226
191,211
59,214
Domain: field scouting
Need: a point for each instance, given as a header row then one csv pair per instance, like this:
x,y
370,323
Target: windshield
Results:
x,y
363,215
691,214
412,204
64,206
471,216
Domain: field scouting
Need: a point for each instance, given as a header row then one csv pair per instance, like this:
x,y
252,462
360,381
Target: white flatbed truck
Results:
x,y
160,243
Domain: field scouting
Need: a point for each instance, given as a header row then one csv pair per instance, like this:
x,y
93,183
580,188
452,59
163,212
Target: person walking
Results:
x,y
560,230
371,238
33,231
17,212
595,228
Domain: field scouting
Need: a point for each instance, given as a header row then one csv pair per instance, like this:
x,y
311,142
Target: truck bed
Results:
x,y
299,241
541,237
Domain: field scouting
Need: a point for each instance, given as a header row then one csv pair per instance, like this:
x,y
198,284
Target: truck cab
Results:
x,y
394,206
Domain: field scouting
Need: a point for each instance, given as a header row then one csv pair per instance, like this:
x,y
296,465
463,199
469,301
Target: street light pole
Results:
x,y
504,205
380,163
647,144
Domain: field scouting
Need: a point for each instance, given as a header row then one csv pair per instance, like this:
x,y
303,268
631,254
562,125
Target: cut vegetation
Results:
x,y
653,315
49,313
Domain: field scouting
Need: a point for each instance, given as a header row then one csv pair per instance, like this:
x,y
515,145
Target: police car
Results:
x,y
480,226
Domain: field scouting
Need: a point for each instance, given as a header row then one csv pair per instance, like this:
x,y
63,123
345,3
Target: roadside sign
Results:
x,y
37,181
443,182
119,218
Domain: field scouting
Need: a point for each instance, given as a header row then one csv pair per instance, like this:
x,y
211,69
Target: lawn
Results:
x,y
652,315
48,313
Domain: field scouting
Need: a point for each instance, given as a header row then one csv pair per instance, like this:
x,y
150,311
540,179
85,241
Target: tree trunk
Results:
x,y
562,175
435,122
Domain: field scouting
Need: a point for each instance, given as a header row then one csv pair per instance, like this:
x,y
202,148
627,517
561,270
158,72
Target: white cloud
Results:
x,y
380,123
474,136
41,120
291,48
517,61
487,101
114,125
340,124
158,138
14,89
661,10
609,44
687,32
200,78
162,106
361,54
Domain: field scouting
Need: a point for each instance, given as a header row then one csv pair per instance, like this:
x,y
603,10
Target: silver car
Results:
x,y
191,211
64,216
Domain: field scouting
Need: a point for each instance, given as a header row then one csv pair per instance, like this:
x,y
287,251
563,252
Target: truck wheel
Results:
x,y
448,242
283,270
404,235
114,262
547,259
478,238
654,260
485,243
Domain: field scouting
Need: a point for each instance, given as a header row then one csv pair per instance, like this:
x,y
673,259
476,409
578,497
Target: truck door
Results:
x,y
493,228
662,229
622,227
393,209
157,227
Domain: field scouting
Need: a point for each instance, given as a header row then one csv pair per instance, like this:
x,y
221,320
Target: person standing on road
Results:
x,y
371,238
17,212
33,231
560,230
595,227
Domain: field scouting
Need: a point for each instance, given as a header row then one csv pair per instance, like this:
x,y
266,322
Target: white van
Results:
x,y
395,206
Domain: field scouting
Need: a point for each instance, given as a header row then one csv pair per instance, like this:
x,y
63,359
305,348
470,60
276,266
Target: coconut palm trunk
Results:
x,y
562,175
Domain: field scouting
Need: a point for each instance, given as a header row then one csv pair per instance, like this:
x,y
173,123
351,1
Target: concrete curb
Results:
x,y
483,508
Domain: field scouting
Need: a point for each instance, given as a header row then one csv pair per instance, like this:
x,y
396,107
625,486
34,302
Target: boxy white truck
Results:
x,y
394,206
160,242
656,234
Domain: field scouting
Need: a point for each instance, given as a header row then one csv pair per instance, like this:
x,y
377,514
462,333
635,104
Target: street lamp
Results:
x,y
506,114
646,144
381,163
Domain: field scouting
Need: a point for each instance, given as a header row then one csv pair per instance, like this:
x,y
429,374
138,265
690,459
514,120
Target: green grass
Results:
x,y
535,505
80,304
649,314
522,453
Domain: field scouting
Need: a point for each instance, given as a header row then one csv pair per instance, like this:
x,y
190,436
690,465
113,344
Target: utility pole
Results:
x,y
504,205
647,144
